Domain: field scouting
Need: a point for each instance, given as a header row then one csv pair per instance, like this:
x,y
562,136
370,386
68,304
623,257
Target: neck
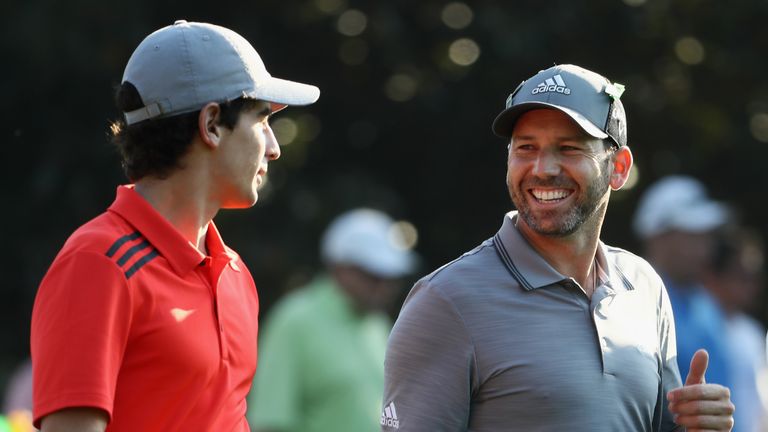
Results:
x,y
183,202
573,255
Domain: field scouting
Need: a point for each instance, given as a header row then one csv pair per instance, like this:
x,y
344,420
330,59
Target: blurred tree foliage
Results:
x,y
409,90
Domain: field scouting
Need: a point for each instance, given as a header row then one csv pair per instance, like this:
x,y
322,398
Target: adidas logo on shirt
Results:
x,y
389,417
554,84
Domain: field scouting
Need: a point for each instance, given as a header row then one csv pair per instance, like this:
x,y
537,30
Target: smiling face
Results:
x,y
558,176
245,152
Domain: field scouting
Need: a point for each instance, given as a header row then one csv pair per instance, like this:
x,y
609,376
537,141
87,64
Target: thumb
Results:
x,y
699,364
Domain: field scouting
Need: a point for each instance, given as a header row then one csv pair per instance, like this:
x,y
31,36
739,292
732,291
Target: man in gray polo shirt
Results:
x,y
543,327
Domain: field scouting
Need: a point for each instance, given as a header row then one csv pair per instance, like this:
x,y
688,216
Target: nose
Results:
x,y
546,165
272,146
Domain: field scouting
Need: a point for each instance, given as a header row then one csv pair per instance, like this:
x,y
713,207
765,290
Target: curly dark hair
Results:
x,y
154,147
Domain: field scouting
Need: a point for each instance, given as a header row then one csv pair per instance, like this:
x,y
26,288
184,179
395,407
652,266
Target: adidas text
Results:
x,y
390,423
551,88
389,417
554,84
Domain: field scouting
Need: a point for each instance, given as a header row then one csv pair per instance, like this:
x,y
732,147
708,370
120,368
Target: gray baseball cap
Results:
x,y
182,67
587,97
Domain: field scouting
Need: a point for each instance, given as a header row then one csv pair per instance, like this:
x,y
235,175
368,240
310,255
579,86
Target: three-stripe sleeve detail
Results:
x,y
123,258
121,241
140,263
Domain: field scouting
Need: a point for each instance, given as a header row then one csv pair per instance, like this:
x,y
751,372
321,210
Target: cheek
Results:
x,y
513,169
258,145
509,178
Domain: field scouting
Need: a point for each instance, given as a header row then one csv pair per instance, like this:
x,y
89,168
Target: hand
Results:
x,y
699,406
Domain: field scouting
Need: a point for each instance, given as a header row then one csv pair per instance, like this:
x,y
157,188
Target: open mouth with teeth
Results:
x,y
550,195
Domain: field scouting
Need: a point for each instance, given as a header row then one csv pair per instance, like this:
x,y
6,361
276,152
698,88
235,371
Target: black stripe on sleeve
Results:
x,y
140,263
121,241
131,252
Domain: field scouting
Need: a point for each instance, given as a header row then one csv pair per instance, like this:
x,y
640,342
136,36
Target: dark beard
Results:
x,y
575,217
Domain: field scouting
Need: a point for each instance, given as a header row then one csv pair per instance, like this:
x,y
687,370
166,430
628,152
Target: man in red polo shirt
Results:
x,y
146,320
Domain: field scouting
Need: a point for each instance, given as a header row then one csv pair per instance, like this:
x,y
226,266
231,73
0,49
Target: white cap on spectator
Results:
x,y
677,203
368,239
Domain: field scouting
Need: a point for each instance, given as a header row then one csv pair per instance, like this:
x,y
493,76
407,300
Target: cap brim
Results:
x,y
281,93
505,121
700,217
388,264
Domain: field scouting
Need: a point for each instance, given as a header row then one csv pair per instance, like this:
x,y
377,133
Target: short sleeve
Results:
x,y
275,398
670,375
80,325
429,368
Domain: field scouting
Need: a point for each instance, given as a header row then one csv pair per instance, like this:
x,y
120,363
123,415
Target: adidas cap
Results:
x,y
182,67
588,98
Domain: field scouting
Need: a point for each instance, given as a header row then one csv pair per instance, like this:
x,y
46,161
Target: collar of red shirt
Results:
x,y
180,253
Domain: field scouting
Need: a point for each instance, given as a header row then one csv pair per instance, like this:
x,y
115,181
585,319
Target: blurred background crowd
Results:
x,y
409,90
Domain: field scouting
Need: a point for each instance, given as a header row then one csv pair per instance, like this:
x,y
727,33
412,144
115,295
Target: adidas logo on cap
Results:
x,y
554,84
389,417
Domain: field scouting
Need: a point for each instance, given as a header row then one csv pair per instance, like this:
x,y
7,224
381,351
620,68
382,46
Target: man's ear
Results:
x,y
622,165
208,124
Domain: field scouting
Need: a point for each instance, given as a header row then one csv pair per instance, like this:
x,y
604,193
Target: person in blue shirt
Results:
x,y
676,221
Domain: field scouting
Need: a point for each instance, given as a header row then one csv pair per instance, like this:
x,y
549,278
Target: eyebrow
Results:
x,y
561,138
574,138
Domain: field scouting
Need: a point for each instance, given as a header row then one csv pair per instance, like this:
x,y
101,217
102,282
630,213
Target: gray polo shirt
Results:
x,y
498,340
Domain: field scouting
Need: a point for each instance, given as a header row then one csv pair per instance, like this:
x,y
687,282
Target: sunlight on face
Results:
x,y
558,176
245,154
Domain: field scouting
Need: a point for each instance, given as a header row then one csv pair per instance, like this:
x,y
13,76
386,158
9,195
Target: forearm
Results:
x,y
75,420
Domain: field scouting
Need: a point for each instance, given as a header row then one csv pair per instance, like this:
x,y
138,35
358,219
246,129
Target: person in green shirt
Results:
x,y
321,352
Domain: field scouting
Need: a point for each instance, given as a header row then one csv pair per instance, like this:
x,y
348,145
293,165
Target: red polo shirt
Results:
x,y
131,318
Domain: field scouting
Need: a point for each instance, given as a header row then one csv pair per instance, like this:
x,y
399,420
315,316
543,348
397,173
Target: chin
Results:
x,y
251,202
242,203
235,206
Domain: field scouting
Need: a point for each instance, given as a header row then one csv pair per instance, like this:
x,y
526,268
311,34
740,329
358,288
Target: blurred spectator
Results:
x,y
17,400
18,393
677,221
735,279
321,358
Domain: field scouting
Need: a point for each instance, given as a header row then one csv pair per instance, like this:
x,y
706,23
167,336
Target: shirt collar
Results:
x,y
180,253
532,271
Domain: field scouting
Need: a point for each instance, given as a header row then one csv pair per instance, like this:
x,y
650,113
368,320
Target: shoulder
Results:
x,y
92,256
461,283
634,270
478,263
103,234
628,260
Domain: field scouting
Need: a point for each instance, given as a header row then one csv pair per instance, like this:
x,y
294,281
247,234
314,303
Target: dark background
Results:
x,y
399,126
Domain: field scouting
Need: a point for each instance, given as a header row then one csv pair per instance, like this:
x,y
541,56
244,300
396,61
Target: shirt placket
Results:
x,y
600,305
213,267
